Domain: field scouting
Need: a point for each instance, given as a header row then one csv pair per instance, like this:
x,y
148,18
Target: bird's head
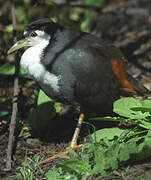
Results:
x,y
35,33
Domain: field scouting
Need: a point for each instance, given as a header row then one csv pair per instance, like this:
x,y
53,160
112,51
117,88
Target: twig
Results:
x,y
15,98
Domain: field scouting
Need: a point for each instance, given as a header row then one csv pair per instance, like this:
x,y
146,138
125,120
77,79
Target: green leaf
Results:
x,y
40,117
108,133
123,107
85,25
146,103
4,113
54,174
43,98
58,107
9,28
126,149
142,109
75,166
145,124
10,70
146,106
105,156
109,118
7,70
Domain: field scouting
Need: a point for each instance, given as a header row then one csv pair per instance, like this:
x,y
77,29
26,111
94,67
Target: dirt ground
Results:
x,y
125,24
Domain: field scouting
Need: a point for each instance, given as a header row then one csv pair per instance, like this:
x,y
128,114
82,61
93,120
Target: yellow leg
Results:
x,y
73,143
77,131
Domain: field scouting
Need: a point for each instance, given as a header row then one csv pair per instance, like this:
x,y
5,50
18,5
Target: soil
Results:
x,y
125,24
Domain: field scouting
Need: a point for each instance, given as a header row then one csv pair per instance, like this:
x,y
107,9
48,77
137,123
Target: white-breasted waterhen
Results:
x,y
75,68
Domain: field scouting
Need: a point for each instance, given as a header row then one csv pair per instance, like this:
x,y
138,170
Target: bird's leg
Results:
x,y
73,143
76,132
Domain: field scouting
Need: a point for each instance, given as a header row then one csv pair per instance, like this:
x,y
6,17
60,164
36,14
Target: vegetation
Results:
x,y
30,169
110,148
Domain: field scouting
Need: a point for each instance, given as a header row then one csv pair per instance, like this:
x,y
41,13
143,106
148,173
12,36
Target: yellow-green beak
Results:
x,y
18,45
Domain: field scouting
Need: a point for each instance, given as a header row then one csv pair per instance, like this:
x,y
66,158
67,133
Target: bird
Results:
x,y
74,68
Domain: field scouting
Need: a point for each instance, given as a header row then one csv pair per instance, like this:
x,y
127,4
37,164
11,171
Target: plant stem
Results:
x,y
15,98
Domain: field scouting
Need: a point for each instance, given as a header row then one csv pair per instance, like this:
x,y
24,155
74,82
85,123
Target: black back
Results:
x,y
83,64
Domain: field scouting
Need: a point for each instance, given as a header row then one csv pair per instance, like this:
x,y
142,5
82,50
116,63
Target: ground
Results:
x,y
125,24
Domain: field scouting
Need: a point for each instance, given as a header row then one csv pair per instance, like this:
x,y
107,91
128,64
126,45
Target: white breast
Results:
x,y
30,61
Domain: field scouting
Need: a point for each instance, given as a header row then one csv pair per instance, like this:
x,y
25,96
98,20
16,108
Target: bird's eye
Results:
x,y
33,34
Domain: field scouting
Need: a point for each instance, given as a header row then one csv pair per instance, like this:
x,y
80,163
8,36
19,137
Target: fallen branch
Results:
x,y
15,98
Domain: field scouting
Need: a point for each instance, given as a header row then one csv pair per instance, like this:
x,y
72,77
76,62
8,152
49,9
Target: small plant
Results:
x,y
45,106
59,174
72,168
86,23
29,169
132,111
111,148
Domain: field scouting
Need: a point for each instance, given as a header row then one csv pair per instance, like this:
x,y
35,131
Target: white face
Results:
x,y
37,37
31,61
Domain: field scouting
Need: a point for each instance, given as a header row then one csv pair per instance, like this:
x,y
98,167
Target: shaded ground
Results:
x,y
126,24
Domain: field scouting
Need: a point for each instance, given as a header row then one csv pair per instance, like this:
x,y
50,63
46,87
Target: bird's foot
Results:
x,y
61,153
73,143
